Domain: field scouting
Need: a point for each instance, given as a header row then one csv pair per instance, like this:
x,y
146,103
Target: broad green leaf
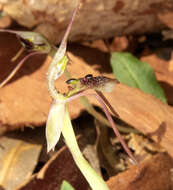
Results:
x,y
66,186
54,124
132,72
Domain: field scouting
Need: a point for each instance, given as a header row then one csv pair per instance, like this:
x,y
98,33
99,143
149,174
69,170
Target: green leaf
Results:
x,y
66,186
1,14
132,72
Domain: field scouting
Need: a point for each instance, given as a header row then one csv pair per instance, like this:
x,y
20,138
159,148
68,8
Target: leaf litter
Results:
x,y
19,154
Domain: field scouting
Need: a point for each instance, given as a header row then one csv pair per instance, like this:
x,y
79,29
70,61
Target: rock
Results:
x,y
96,19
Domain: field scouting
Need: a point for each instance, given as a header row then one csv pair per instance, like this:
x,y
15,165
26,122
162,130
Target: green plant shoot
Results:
x,y
66,186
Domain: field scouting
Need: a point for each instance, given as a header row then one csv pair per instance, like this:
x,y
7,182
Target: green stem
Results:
x,y
94,180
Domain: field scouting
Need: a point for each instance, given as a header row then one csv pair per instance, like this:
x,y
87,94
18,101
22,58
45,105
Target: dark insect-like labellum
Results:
x,y
26,43
93,82
99,83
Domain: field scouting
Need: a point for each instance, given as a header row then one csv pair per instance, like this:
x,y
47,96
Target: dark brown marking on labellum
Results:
x,y
93,82
26,43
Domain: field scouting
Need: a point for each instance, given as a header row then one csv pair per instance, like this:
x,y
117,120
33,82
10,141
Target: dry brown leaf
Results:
x,y
170,68
60,167
154,174
167,34
98,44
166,17
163,73
5,21
18,158
119,44
142,147
145,112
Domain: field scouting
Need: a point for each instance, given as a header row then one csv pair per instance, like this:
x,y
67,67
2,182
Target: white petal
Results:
x,y
54,124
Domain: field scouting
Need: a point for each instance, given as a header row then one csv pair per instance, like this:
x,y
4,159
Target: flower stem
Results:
x,y
94,180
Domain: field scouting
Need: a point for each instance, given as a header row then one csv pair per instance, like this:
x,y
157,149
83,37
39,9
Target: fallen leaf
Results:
x,y
166,17
18,158
97,44
60,167
5,21
167,34
170,68
119,44
153,174
163,74
144,112
142,147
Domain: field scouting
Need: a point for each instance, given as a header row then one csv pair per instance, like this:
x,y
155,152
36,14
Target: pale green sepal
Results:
x,y
54,124
60,67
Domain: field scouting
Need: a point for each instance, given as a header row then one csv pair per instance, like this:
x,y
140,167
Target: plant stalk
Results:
x,y
94,180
